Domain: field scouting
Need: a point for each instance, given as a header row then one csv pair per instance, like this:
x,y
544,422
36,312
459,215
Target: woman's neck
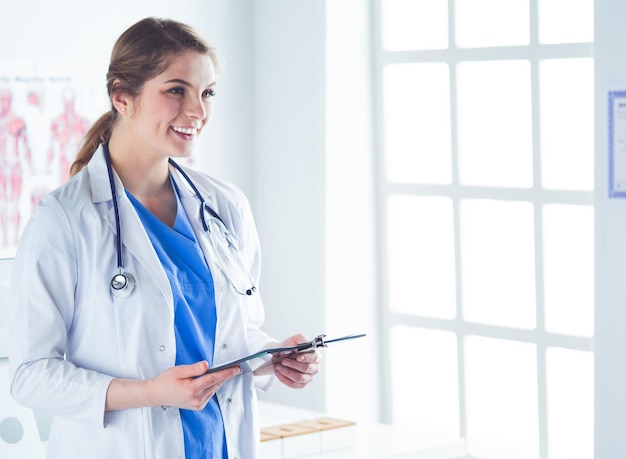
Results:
x,y
146,177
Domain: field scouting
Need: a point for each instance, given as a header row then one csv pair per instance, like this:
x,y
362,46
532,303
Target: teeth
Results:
x,y
188,131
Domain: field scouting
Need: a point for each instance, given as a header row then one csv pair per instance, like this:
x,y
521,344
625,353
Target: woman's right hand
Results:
x,y
188,387
182,386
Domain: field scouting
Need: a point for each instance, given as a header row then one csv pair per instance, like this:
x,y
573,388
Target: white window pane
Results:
x,y
568,251
414,24
567,123
495,124
417,123
501,398
498,263
482,23
428,400
421,256
570,403
565,21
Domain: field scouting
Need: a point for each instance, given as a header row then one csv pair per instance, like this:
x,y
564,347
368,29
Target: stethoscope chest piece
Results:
x,y
122,285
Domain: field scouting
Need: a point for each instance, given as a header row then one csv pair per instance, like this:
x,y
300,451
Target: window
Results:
x,y
485,185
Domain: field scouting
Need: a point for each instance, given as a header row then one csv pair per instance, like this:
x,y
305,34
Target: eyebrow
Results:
x,y
184,83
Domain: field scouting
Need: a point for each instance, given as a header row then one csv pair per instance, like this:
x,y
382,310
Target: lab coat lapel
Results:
x,y
191,204
135,240
190,201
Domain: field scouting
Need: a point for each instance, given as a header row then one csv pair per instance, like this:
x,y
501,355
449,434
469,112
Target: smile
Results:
x,y
186,131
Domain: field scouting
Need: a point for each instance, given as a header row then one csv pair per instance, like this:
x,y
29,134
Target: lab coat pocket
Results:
x,y
120,438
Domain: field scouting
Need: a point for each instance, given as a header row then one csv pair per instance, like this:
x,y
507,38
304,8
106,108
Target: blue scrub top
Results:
x,y
195,319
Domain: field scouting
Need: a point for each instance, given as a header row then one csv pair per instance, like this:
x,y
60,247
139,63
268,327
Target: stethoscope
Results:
x,y
123,283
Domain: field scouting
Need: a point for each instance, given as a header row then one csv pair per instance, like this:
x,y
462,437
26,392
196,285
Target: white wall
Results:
x,y
314,191
289,189
610,333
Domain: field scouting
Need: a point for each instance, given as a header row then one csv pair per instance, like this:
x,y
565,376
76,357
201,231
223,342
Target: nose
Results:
x,y
196,109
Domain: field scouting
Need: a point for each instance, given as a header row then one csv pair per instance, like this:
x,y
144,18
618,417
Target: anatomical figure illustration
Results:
x,y
68,130
15,162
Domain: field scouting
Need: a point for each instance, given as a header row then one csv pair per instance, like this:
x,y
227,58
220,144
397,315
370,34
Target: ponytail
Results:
x,y
99,133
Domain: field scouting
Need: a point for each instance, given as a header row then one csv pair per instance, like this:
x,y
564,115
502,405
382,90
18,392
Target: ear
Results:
x,y
119,98
120,102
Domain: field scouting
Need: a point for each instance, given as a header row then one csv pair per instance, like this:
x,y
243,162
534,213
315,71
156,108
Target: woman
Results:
x,y
137,275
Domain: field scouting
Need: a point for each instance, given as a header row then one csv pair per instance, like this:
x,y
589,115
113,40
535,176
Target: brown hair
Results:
x,y
142,52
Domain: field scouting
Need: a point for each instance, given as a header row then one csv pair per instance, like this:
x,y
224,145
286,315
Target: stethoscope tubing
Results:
x,y
122,283
203,204
116,210
205,207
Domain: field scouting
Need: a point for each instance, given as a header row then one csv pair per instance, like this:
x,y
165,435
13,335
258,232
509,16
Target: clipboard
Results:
x,y
318,342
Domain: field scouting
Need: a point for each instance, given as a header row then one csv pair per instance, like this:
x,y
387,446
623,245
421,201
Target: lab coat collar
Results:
x,y
101,188
99,178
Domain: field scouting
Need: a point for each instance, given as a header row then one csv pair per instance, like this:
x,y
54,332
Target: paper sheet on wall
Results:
x,y
617,144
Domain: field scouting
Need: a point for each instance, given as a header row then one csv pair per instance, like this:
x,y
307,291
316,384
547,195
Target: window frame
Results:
x,y
534,52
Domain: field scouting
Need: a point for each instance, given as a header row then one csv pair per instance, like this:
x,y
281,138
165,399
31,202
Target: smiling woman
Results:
x,y
121,362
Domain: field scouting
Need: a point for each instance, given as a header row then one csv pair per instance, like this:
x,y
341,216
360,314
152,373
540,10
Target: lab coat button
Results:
x,y
161,348
164,408
225,346
229,400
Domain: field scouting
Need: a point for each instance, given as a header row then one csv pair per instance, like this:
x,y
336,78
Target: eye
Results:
x,y
177,90
209,93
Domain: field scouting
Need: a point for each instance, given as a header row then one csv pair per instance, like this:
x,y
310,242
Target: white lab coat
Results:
x,y
71,337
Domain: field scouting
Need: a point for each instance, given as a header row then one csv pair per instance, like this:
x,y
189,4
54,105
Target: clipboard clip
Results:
x,y
318,342
315,343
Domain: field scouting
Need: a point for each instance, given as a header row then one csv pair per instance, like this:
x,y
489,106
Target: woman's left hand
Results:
x,y
298,369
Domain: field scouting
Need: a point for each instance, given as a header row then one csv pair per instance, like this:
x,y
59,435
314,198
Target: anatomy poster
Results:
x,y
45,110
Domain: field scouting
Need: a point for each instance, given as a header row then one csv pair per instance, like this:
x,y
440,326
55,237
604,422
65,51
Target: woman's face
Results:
x,y
172,108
